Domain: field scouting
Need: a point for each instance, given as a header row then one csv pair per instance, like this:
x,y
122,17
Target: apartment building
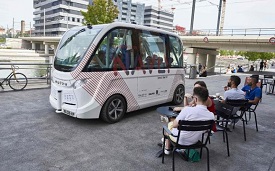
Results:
x,y
158,18
130,12
54,17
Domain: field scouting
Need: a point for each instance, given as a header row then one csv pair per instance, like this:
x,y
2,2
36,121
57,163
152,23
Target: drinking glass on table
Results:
x,y
218,95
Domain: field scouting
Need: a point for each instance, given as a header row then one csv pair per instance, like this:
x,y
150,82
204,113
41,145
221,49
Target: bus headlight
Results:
x,y
79,83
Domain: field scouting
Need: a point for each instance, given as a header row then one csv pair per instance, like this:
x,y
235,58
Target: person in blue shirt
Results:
x,y
252,92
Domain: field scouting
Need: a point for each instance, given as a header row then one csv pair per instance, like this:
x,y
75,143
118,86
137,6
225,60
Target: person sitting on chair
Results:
x,y
203,72
233,93
99,59
209,103
251,68
197,113
252,92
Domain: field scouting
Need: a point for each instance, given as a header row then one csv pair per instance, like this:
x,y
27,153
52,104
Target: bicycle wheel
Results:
x,y
18,81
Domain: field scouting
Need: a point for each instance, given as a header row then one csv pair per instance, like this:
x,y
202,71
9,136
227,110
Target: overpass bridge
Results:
x,y
205,48
202,47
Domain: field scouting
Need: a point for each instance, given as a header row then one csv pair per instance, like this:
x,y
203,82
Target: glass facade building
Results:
x,y
55,17
162,19
130,12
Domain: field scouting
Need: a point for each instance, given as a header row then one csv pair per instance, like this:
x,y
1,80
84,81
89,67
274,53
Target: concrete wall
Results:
x,y
16,43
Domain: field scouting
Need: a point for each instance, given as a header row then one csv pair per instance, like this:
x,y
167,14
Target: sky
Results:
x,y
239,13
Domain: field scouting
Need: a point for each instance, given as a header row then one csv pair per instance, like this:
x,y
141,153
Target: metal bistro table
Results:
x,y
168,113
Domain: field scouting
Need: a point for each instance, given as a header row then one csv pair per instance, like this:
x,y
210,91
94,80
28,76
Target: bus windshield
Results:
x,y
73,46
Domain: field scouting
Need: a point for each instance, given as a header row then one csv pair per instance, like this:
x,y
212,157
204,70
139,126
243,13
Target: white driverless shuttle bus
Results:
x,y
104,71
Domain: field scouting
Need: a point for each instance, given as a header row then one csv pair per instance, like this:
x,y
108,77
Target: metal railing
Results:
x,y
218,69
233,32
45,70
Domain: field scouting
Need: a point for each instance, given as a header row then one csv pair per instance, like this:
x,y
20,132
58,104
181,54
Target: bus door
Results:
x,y
152,80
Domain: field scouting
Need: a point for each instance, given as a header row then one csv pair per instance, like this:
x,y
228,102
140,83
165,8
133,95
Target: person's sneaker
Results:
x,y
167,151
212,132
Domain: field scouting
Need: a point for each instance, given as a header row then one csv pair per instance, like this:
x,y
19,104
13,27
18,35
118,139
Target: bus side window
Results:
x,y
154,46
175,58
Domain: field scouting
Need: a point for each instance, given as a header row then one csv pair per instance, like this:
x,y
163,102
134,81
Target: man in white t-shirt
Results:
x,y
234,93
197,113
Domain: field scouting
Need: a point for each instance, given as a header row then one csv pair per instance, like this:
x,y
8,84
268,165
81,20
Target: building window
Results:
x,y
78,20
73,19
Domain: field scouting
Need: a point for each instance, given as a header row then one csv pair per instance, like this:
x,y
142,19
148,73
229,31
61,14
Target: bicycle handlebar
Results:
x,y
13,67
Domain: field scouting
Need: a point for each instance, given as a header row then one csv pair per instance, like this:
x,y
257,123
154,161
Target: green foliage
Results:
x,y
253,56
227,52
101,12
231,52
223,53
2,40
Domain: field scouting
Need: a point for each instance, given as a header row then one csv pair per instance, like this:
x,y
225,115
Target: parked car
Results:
x,y
240,58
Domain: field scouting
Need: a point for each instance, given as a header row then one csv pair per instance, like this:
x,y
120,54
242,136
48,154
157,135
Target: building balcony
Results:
x,y
39,4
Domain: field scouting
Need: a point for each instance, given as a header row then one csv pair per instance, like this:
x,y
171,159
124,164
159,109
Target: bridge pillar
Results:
x,y
202,59
55,47
41,46
33,46
191,58
211,63
46,49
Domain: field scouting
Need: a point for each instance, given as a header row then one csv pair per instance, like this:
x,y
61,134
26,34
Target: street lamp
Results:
x,y
219,18
44,22
67,21
68,16
192,16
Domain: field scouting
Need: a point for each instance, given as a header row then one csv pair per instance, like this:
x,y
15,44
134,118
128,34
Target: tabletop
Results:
x,y
167,111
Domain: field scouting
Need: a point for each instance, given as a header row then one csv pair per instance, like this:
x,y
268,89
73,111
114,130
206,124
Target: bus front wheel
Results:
x,y
178,95
114,109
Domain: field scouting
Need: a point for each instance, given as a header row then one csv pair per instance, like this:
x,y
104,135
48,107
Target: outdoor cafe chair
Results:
x,y
242,106
252,109
204,126
265,81
224,113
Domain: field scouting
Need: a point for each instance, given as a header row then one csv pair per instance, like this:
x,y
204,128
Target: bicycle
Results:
x,y
16,80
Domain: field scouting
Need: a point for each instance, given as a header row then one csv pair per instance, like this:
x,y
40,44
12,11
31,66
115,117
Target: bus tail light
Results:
x,y
79,83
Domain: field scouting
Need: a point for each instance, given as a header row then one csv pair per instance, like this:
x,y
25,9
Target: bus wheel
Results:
x,y
114,109
178,95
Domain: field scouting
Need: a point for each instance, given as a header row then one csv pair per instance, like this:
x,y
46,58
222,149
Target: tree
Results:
x,y
253,56
227,53
231,52
101,12
223,53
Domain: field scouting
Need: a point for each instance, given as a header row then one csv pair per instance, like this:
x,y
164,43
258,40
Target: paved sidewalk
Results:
x,y
32,84
34,137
